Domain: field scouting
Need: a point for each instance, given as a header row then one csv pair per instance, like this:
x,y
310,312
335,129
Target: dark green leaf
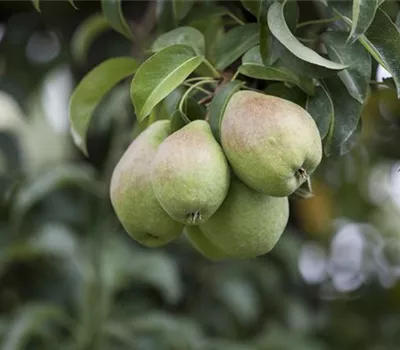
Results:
x,y
181,8
362,16
255,7
183,35
161,74
292,94
219,103
85,34
235,43
205,12
113,13
253,67
177,121
320,106
281,31
356,78
347,113
172,100
58,177
92,88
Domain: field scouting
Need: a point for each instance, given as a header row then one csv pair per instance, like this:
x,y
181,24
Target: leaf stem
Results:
x,y
215,73
197,79
317,21
188,91
235,75
207,92
236,19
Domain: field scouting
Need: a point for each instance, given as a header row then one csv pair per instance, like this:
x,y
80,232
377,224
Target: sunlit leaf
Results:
x,y
362,17
281,31
91,89
320,106
235,43
161,74
112,11
86,33
219,103
347,113
183,35
357,76
36,4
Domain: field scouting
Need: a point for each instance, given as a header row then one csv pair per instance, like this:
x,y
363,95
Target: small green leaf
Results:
x,y
253,67
72,3
58,177
181,8
89,92
235,43
36,5
85,34
112,11
362,17
347,113
281,31
357,76
320,107
219,103
159,75
183,35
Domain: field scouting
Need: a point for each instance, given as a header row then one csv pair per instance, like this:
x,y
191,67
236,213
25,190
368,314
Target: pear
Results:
x,y
273,145
203,245
190,174
248,223
132,194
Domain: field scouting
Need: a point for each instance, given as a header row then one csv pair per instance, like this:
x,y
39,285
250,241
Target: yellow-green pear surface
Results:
x,y
203,245
272,144
132,194
190,174
248,223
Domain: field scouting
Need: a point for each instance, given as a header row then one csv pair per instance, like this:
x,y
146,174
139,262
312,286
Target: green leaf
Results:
x,y
292,94
171,102
58,177
382,40
89,92
235,43
182,35
72,3
85,34
253,67
204,13
112,11
347,113
357,76
255,7
362,17
398,21
159,75
177,121
219,103
320,106
181,8
36,5
281,31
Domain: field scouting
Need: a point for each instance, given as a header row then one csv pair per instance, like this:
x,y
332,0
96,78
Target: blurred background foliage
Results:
x,y
71,278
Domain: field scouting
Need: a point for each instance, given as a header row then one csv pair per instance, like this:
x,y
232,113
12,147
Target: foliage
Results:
x,y
70,276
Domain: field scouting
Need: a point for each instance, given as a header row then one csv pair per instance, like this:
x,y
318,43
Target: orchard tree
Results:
x,y
235,106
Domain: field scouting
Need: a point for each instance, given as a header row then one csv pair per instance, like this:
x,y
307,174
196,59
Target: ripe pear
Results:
x,y
190,174
132,194
273,145
203,245
248,223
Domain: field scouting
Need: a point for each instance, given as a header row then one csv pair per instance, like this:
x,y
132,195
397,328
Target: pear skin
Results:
x,y
203,245
273,145
132,194
190,174
248,223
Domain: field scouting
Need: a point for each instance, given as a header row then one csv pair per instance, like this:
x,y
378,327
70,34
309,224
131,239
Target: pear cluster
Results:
x,y
230,199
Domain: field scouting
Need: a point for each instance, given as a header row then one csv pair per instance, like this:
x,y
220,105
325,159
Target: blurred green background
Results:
x,y
71,278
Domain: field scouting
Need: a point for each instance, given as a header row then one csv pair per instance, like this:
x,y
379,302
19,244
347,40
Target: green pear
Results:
x,y
203,245
248,223
132,194
273,145
190,174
